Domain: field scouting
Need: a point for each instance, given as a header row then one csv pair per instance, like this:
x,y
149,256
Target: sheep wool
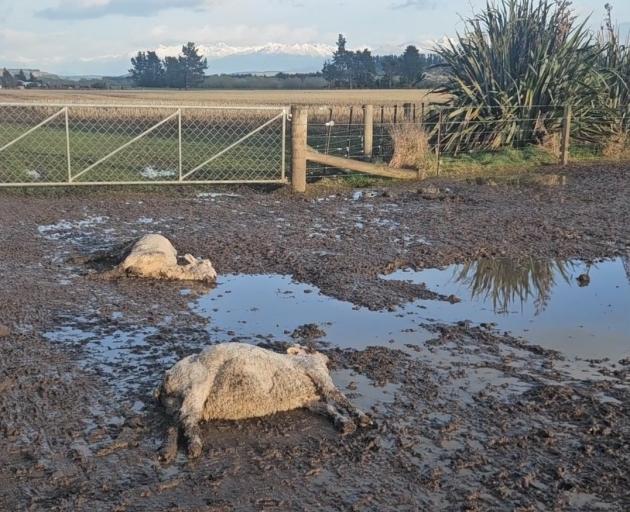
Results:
x,y
235,381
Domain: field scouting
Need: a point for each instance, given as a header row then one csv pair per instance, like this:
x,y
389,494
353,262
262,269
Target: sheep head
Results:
x,y
198,269
307,353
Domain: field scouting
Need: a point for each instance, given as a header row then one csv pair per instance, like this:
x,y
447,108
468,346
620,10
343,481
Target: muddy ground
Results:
x,y
471,420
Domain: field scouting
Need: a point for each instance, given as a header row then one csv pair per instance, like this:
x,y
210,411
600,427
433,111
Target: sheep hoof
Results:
x,y
194,447
364,420
345,426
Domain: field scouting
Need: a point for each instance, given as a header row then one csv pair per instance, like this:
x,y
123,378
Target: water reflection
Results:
x,y
546,302
504,282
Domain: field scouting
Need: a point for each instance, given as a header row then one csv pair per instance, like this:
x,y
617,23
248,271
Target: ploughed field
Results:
x,y
483,325
227,97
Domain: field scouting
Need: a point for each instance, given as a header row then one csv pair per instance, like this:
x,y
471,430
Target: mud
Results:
x,y
467,417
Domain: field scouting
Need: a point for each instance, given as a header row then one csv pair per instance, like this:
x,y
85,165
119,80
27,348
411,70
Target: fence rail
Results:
x,y
458,138
90,144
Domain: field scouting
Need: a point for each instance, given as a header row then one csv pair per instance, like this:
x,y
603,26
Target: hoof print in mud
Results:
x,y
168,451
237,381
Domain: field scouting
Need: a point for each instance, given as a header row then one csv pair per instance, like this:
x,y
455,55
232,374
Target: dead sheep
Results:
x,y
236,381
153,256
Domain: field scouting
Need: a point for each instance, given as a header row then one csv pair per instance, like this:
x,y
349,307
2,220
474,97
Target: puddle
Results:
x,y
214,195
273,306
152,173
118,355
538,300
64,229
34,175
363,393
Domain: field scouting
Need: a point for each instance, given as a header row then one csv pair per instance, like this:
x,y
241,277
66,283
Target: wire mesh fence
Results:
x,y
56,144
433,138
44,144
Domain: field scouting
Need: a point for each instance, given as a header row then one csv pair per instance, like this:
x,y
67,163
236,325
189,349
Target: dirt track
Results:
x,y
475,420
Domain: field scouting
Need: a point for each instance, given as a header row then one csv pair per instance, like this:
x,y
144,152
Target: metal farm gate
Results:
x,y
81,144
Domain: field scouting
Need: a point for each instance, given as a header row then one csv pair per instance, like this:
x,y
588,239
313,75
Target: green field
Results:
x,y
41,157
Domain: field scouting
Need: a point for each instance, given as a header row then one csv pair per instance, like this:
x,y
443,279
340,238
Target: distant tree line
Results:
x,y
8,81
346,69
360,69
277,81
182,72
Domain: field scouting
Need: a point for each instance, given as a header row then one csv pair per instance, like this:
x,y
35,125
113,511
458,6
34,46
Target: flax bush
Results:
x,y
512,70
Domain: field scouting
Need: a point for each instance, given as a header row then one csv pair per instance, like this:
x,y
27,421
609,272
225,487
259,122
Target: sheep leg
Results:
x,y
342,423
190,415
330,393
192,433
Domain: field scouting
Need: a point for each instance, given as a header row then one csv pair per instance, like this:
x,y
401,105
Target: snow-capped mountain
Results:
x,y
222,58
270,57
222,50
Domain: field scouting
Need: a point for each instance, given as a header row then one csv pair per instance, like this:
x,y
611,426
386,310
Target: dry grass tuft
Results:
x,y
617,147
552,144
412,149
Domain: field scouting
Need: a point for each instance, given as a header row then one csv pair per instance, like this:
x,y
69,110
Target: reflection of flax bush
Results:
x,y
626,266
509,281
512,71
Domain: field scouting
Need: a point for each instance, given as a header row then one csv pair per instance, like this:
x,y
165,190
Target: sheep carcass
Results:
x,y
235,381
153,256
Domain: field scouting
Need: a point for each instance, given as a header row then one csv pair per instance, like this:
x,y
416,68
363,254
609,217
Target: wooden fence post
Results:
x,y
566,135
349,131
438,149
329,128
368,130
407,111
299,131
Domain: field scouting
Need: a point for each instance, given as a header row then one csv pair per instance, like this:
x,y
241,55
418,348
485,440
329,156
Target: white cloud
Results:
x,y
415,4
240,34
86,9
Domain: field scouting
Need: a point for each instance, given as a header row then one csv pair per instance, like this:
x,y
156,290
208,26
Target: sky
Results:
x,y
73,37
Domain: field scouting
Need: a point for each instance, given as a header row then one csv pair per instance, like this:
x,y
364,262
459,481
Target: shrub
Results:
x,y
511,72
615,66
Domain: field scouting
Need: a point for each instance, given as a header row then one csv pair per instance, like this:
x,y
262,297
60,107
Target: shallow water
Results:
x,y
250,306
538,300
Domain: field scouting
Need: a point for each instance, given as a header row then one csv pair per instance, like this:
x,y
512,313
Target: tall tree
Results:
x,y
147,69
173,73
21,76
337,71
362,69
7,79
412,66
390,70
139,68
193,65
154,70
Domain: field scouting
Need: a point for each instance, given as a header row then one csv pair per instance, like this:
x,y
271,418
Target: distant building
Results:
x,y
24,84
